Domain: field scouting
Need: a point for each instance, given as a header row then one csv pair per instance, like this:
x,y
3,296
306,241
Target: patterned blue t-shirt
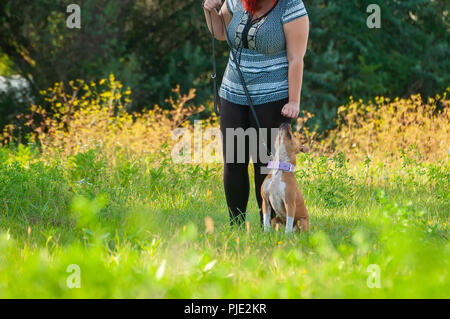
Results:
x,y
263,62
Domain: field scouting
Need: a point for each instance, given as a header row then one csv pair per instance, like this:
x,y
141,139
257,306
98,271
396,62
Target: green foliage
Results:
x,y
408,54
154,45
35,37
133,234
172,45
6,65
13,102
85,167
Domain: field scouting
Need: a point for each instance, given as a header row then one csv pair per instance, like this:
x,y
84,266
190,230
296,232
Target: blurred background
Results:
x,y
152,46
87,118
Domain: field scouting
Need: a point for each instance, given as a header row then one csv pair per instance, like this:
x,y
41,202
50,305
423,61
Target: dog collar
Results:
x,y
284,166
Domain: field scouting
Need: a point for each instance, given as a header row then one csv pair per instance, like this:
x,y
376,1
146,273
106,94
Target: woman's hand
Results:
x,y
212,4
291,109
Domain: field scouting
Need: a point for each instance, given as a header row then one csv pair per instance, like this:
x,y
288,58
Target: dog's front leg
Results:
x,y
267,211
290,214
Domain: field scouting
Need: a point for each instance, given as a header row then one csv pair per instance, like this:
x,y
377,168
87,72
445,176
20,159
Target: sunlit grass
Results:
x,y
137,229
90,190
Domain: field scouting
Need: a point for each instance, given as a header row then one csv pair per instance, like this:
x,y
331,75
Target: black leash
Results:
x,y
241,77
214,74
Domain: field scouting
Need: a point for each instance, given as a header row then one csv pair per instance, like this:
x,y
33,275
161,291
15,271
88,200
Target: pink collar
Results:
x,y
284,166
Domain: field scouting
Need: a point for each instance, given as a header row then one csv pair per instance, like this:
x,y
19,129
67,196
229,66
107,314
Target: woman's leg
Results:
x,y
235,176
269,116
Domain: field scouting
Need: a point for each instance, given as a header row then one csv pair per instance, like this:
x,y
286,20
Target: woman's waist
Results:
x,y
252,77
256,85
259,63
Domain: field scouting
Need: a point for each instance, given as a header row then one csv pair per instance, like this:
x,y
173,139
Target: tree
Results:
x,y
44,50
153,45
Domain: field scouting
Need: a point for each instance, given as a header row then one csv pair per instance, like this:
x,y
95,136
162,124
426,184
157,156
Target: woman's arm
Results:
x,y
296,33
210,6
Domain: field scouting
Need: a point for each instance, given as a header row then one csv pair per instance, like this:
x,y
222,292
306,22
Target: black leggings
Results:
x,y
236,179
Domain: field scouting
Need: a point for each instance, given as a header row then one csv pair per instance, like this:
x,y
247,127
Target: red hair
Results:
x,y
252,5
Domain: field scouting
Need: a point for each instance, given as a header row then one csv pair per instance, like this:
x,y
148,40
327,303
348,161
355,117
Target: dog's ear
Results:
x,y
302,148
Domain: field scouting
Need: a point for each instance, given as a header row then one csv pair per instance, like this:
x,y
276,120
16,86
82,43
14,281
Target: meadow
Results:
x,y
93,207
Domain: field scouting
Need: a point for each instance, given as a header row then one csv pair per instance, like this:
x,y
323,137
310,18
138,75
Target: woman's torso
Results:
x,y
263,62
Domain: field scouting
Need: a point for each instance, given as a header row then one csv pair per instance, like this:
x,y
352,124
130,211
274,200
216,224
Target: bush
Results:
x,y
384,128
88,115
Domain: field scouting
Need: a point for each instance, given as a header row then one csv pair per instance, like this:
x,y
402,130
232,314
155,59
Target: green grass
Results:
x,y
136,229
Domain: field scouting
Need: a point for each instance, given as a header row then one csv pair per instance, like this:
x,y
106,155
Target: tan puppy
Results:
x,y
279,190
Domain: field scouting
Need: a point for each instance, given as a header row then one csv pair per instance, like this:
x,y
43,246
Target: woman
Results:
x,y
269,39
